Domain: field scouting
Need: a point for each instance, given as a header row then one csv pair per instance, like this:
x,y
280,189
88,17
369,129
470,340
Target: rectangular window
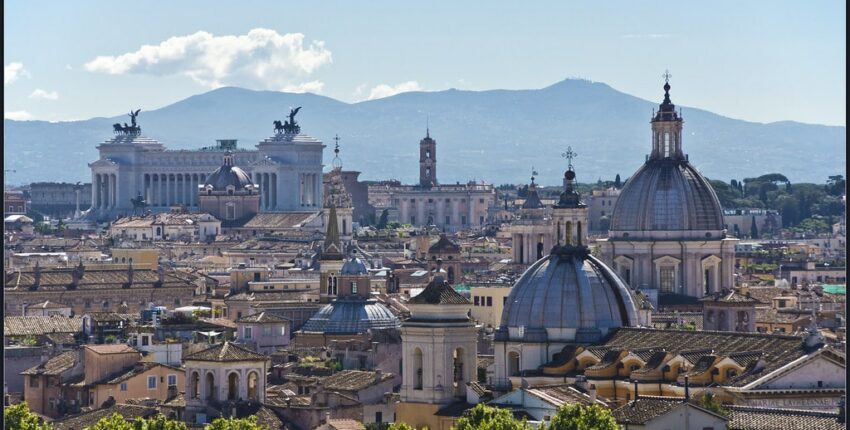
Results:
x,y
413,220
172,380
489,301
463,219
448,219
476,300
481,220
248,332
33,381
354,288
145,340
480,200
151,382
267,331
666,281
123,386
379,417
282,330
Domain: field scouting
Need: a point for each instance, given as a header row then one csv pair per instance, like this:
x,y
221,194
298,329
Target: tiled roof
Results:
x,y
55,365
226,351
439,293
58,279
278,220
751,418
88,419
560,394
111,349
353,380
48,305
608,359
261,318
693,355
223,322
126,374
598,351
653,362
443,246
345,424
729,297
37,326
778,349
647,408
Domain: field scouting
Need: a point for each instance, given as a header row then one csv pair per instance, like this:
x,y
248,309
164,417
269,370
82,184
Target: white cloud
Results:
x,y
385,90
306,87
18,115
13,71
261,59
42,94
359,90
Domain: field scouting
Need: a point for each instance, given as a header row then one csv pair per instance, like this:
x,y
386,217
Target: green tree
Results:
x,y
754,230
617,183
709,402
581,417
159,422
20,417
400,426
483,417
249,423
382,222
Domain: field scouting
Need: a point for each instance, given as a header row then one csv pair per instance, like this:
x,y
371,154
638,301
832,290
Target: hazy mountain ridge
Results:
x,y
495,135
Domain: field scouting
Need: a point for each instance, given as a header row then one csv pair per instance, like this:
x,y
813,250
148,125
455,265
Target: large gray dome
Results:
x,y
667,194
351,316
228,175
565,297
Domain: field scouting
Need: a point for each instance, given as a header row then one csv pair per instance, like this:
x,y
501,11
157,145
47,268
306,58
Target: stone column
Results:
x,y
274,191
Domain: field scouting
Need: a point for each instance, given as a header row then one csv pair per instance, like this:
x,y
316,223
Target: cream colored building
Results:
x,y
439,355
488,301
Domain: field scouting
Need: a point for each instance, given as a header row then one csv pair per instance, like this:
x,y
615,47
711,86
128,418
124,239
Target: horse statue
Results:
x,y
139,203
116,128
278,127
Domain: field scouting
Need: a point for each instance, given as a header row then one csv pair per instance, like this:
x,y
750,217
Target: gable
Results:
x,y
806,375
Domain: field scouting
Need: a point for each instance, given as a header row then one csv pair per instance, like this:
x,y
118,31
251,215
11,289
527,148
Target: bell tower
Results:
x,y
427,160
569,215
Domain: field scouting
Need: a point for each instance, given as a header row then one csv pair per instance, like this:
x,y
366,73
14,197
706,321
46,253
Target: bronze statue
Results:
x,y
139,203
278,127
288,127
292,113
133,116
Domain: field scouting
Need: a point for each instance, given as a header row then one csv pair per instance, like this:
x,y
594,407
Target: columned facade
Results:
x,y
288,171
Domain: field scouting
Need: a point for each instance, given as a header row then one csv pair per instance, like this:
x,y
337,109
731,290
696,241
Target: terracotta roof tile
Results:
x,y
111,349
226,351
751,418
439,293
55,365
353,380
37,325
88,419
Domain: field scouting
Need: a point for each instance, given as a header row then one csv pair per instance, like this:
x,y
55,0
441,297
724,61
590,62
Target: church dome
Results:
x,y
351,316
228,175
354,266
567,296
667,194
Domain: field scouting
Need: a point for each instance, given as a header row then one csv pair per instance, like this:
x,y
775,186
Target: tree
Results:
x,y
382,222
617,183
21,418
581,417
483,417
754,230
249,423
399,426
709,402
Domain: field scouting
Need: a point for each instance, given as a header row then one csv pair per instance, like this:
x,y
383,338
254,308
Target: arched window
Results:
x,y
568,233
451,275
253,386
513,363
578,233
209,387
195,386
233,386
666,145
417,366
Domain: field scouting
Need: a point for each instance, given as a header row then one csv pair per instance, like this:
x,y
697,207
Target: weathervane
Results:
x,y
533,174
569,155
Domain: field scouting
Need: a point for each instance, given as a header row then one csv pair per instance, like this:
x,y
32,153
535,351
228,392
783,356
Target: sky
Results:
x,y
759,60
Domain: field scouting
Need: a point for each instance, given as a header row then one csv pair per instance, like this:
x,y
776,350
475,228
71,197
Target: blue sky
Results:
x,y
756,60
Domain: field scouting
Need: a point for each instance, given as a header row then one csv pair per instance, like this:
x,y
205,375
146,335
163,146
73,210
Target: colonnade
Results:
x,y
268,190
310,189
105,191
165,189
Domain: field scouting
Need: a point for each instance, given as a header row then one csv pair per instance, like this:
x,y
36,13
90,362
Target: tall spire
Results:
x,y
666,128
333,246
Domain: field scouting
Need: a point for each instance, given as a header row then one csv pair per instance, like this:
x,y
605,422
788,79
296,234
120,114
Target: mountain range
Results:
x,y
497,136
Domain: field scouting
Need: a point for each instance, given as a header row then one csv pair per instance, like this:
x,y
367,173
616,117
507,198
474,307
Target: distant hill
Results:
x,y
496,136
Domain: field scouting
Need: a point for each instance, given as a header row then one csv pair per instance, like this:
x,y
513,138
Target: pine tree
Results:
x,y
617,183
754,230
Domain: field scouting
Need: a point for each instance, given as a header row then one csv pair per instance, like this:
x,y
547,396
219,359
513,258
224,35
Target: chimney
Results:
x,y
130,273
636,390
592,392
687,389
